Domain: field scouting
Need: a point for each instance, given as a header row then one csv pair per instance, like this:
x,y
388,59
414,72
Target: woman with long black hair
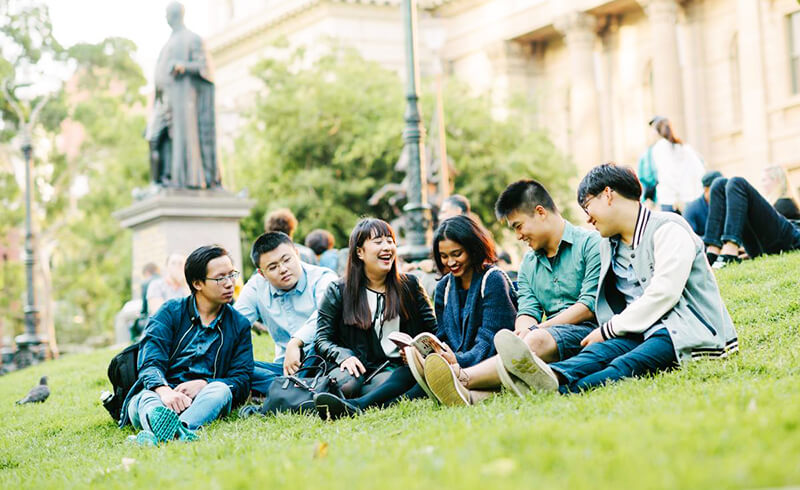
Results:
x,y
357,316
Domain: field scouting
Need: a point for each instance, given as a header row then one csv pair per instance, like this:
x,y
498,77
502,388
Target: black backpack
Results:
x,y
122,372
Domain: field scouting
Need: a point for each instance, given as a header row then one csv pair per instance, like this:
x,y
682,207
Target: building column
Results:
x,y
512,68
579,31
755,131
667,80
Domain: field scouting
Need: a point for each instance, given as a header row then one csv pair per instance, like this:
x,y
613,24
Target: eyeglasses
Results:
x,y
220,280
586,203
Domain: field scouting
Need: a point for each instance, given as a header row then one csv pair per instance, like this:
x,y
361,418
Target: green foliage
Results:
x,y
321,140
715,424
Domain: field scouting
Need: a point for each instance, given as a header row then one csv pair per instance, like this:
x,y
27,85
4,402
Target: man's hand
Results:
x,y
523,325
191,388
353,366
175,401
593,337
522,332
447,353
291,360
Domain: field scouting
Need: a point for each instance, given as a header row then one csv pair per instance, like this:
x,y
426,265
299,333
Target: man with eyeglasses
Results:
x,y
196,357
283,295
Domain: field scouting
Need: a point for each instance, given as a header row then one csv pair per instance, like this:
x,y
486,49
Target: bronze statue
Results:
x,y
182,133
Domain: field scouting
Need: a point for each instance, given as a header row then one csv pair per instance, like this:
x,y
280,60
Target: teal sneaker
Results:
x,y
164,423
187,435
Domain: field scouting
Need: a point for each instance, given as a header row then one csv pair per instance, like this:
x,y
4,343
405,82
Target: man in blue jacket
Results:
x,y
196,357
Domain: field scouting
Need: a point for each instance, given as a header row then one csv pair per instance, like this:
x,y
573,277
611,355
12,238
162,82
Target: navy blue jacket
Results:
x,y
696,213
473,339
165,338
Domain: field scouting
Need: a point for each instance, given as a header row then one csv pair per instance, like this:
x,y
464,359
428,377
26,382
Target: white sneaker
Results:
x,y
519,361
509,381
416,364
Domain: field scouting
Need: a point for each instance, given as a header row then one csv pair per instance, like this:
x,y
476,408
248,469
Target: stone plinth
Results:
x,y
179,221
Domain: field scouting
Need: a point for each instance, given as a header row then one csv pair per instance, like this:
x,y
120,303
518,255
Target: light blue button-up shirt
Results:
x,y
547,288
286,314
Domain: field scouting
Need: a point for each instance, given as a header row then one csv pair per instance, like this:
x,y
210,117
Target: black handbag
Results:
x,y
295,393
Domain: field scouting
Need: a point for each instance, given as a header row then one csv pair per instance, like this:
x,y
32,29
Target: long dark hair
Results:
x,y
469,234
356,308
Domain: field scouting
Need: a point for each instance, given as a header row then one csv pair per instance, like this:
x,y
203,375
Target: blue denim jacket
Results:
x,y
169,341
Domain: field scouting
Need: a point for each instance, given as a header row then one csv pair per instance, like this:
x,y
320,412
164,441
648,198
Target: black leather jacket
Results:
x,y
336,341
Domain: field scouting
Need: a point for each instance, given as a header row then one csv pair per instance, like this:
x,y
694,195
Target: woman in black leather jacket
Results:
x,y
356,317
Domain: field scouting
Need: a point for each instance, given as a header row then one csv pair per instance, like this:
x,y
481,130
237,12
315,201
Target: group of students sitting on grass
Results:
x,y
588,309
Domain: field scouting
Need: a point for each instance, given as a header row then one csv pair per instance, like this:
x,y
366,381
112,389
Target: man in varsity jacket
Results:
x,y
658,303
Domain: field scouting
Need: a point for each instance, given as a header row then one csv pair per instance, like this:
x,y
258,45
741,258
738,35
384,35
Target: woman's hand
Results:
x,y
447,353
353,366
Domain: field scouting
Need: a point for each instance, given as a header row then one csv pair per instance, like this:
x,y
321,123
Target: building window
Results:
x,y
794,50
736,84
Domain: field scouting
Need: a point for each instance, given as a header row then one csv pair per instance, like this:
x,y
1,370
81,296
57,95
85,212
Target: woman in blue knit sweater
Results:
x,y
475,299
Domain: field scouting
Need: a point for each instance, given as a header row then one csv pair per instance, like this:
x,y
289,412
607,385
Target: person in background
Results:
x,y
321,243
150,272
454,205
678,168
283,220
696,212
172,285
776,190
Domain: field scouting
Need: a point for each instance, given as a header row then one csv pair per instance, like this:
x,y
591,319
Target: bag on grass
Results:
x,y
295,393
122,372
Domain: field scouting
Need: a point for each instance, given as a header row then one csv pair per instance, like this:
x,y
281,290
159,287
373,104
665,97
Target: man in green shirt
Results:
x,y
557,288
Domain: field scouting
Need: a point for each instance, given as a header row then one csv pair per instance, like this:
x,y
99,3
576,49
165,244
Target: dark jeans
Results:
x,y
264,373
615,359
738,213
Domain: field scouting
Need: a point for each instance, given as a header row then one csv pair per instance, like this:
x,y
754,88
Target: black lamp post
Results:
x,y
416,212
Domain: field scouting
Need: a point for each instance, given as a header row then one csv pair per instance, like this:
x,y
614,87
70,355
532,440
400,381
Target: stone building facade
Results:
x,y
726,72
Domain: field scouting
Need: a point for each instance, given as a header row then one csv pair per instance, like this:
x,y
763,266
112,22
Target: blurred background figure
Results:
x,y
321,243
171,285
150,273
454,205
679,169
777,191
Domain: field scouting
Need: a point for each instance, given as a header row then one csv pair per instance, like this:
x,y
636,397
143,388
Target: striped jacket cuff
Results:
x,y
607,331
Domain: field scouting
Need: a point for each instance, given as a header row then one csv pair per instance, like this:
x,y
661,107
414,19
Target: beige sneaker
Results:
x,y
509,381
444,383
519,361
416,364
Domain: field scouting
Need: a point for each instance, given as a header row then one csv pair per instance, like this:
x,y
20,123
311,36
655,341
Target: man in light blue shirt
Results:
x,y
283,295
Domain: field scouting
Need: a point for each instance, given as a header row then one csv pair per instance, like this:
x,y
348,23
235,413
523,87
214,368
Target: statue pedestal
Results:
x,y
179,221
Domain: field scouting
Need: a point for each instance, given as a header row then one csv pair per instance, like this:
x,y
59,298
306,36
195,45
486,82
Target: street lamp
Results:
x,y
28,342
416,212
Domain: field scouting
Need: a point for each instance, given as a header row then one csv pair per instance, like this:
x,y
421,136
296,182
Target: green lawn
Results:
x,y
717,424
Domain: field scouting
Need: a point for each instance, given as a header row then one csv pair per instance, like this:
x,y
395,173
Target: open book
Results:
x,y
424,342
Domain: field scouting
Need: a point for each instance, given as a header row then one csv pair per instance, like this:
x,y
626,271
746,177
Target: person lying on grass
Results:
x,y
196,357
357,316
557,279
658,302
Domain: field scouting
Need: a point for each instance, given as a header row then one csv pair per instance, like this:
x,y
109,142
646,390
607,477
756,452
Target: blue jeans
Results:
x,y
738,213
211,403
568,337
264,373
615,359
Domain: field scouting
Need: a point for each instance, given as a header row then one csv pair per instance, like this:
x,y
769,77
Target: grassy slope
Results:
x,y
716,424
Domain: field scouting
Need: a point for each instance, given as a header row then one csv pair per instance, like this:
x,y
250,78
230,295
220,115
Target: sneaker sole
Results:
x,y
518,360
443,382
164,423
330,407
418,372
510,382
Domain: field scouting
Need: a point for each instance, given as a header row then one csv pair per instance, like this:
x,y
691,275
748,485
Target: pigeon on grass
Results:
x,y
38,393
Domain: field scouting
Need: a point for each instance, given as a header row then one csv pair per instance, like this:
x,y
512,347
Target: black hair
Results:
x,y
354,297
196,267
469,234
268,242
458,201
150,268
524,196
319,241
620,179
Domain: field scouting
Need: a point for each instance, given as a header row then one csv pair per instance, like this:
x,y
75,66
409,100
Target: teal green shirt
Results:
x,y
548,289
